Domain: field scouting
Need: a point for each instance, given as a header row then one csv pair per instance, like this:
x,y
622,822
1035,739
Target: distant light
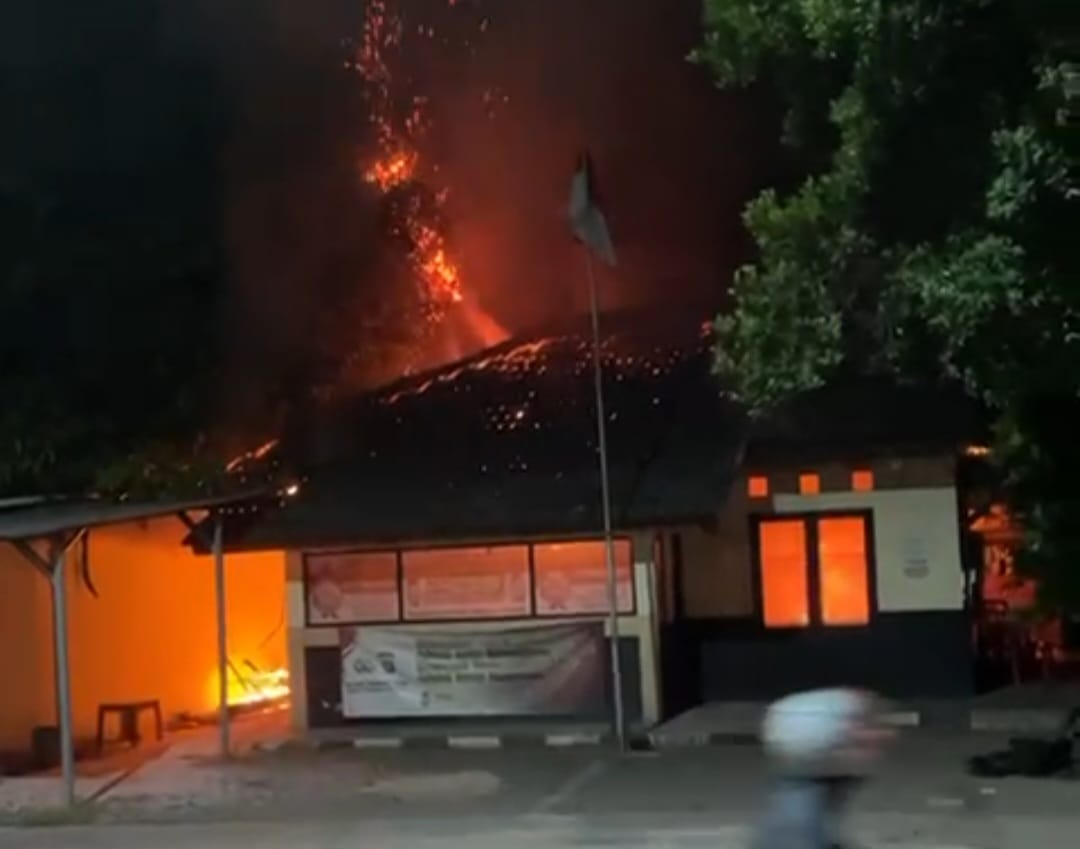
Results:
x,y
977,451
292,490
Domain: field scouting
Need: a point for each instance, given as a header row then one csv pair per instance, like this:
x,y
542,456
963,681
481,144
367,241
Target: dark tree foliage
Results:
x,y
933,232
111,258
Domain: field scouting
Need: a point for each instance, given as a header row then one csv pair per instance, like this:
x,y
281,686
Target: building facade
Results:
x,y
444,560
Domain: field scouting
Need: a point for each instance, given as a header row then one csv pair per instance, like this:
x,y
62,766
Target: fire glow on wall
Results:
x,y
148,633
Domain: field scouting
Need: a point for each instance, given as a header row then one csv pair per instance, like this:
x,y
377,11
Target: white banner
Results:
x,y
401,672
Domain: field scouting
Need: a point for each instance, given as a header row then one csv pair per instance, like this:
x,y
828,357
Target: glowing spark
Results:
x,y
251,456
398,161
528,354
390,173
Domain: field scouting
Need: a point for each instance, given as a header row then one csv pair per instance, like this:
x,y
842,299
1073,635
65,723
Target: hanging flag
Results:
x,y
586,220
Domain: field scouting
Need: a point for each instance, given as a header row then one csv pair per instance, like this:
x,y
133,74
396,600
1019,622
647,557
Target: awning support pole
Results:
x,y
63,672
222,640
53,569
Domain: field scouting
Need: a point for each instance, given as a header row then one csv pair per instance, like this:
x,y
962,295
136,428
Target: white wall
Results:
x,y
916,543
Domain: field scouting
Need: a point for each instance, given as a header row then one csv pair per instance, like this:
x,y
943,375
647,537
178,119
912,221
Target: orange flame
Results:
x,y
398,160
520,358
251,456
391,172
260,688
252,688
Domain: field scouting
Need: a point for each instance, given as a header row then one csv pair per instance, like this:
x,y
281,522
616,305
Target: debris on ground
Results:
x,y
1034,757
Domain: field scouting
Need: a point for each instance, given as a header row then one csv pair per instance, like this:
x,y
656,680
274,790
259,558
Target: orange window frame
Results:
x,y
815,569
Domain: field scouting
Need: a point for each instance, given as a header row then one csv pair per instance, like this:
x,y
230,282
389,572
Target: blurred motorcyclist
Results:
x,y
822,744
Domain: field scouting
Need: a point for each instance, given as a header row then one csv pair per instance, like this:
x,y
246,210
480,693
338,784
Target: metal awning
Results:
x,y
37,517
57,523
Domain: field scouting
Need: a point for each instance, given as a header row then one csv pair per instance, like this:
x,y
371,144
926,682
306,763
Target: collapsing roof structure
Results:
x,y
505,443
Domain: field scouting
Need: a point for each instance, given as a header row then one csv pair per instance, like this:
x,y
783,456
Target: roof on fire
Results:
x,y
505,443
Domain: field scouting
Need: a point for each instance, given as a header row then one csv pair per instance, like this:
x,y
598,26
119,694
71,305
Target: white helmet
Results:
x,y
824,733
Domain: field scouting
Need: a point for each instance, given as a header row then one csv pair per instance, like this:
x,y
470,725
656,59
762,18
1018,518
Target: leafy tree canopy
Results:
x,y
931,228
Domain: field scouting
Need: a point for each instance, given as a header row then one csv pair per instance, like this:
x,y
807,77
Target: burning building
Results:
x,y
421,216
458,518
142,627
455,512
142,607
442,557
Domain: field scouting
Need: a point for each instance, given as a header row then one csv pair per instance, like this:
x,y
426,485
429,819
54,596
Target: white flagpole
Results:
x,y
605,496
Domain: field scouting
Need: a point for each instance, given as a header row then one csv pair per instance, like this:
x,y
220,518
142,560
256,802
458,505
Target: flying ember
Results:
x,y
388,173
398,165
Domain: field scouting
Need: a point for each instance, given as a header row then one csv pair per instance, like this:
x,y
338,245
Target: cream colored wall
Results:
x,y
916,543
717,580
151,632
641,625
915,519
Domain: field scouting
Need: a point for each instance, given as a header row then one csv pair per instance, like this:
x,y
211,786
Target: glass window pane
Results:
x,y
467,583
354,586
809,484
758,486
571,577
784,582
844,571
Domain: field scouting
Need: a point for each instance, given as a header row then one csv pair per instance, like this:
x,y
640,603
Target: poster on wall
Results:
x,y
466,583
357,586
572,578
555,670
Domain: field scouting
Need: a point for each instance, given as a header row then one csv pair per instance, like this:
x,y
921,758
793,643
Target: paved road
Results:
x,y
549,799
634,832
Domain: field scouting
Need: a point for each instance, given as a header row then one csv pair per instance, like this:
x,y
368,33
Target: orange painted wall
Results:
x,y
151,632
25,650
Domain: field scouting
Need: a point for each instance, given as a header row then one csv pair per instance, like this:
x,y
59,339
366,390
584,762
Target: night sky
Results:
x,y
251,100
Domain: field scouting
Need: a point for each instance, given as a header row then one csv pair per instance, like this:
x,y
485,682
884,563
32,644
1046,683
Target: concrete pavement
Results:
x,y
532,832
550,798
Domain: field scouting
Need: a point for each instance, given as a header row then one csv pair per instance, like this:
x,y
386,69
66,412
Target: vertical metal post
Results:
x,y
619,718
63,672
222,641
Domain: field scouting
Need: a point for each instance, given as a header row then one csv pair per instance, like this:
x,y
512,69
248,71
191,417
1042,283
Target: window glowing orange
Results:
x,y
758,487
466,583
809,484
784,581
843,570
571,577
862,480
